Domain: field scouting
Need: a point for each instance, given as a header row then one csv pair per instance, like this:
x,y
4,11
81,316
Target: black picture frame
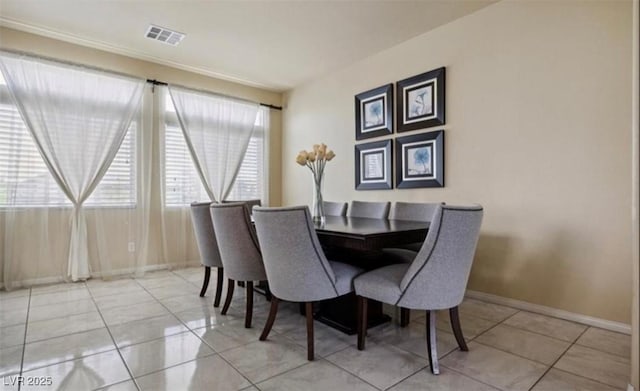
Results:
x,y
374,112
420,160
373,165
421,101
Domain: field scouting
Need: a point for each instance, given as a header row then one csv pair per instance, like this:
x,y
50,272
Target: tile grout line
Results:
x,y
24,341
473,339
485,331
544,335
559,358
582,377
197,336
382,343
342,369
229,363
114,344
453,350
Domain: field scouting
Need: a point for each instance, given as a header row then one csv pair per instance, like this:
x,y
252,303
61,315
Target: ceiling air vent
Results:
x,y
164,35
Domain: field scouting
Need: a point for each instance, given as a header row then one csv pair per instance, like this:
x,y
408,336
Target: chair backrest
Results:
x,y
334,208
250,203
297,269
238,242
413,211
374,210
438,276
205,235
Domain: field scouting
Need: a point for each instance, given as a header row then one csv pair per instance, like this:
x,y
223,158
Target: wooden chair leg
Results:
x,y
216,300
457,330
249,310
205,283
432,348
270,319
310,339
267,291
227,301
362,321
405,317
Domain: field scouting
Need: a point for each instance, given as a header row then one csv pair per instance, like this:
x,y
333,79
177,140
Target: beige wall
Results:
x,y
538,119
48,258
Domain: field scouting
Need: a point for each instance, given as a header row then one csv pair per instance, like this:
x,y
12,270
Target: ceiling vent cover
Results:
x,y
164,35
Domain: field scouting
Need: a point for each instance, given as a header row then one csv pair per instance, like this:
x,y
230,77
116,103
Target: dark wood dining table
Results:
x,y
365,234
360,241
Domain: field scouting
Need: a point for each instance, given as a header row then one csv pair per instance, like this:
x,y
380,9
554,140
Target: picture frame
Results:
x,y
373,165
374,112
421,101
420,160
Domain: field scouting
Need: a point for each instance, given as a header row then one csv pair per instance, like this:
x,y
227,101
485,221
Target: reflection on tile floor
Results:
x,y
156,333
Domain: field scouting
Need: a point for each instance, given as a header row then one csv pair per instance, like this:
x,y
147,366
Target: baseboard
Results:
x,y
113,273
554,312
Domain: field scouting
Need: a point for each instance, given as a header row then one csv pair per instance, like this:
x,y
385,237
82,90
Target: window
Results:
x,y
25,180
182,183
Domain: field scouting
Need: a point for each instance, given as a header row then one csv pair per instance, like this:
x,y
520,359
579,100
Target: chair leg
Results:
x,y
310,340
362,322
249,310
432,349
216,300
272,317
457,330
267,291
205,283
227,300
405,317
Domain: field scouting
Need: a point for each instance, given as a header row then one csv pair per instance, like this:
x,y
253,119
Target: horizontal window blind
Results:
x,y
182,183
25,180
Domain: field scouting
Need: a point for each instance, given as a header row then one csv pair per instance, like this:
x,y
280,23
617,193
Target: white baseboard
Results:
x,y
113,273
549,311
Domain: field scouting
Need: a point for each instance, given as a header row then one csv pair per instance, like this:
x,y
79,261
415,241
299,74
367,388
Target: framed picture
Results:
x,y
373,165
374,112
420,102
420,160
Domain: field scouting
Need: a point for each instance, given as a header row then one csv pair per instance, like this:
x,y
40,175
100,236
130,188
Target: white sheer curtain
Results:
x,y
217,130
78,118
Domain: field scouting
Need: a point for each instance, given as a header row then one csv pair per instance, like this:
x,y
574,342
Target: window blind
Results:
x,y
182,183
25,180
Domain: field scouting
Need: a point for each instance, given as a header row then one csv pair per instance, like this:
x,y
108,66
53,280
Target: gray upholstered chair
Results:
x,y
250,203
239,250
413,211
207,246
373,210
334,208
435,280
297,269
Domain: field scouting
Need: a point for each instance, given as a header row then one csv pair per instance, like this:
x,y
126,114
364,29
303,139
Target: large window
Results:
x,y
25,180
182,183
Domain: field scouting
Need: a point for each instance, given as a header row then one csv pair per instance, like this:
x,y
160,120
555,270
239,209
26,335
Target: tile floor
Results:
x,y
155,333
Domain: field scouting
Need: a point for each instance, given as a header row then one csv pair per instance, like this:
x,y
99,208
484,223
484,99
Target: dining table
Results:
x,y
367,234
360,241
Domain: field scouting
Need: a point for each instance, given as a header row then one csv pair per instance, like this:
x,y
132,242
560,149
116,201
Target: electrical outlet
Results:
x,y
132,247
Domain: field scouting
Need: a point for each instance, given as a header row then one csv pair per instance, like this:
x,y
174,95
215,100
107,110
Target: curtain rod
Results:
x,y
162,83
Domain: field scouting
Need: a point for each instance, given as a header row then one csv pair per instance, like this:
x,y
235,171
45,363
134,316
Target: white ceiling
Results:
x,y
274,45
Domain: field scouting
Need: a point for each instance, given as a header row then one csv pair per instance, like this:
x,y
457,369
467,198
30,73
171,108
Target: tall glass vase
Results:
x,y
317,209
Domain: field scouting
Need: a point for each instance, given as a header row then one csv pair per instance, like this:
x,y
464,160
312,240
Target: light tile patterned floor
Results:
x,y
155,333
